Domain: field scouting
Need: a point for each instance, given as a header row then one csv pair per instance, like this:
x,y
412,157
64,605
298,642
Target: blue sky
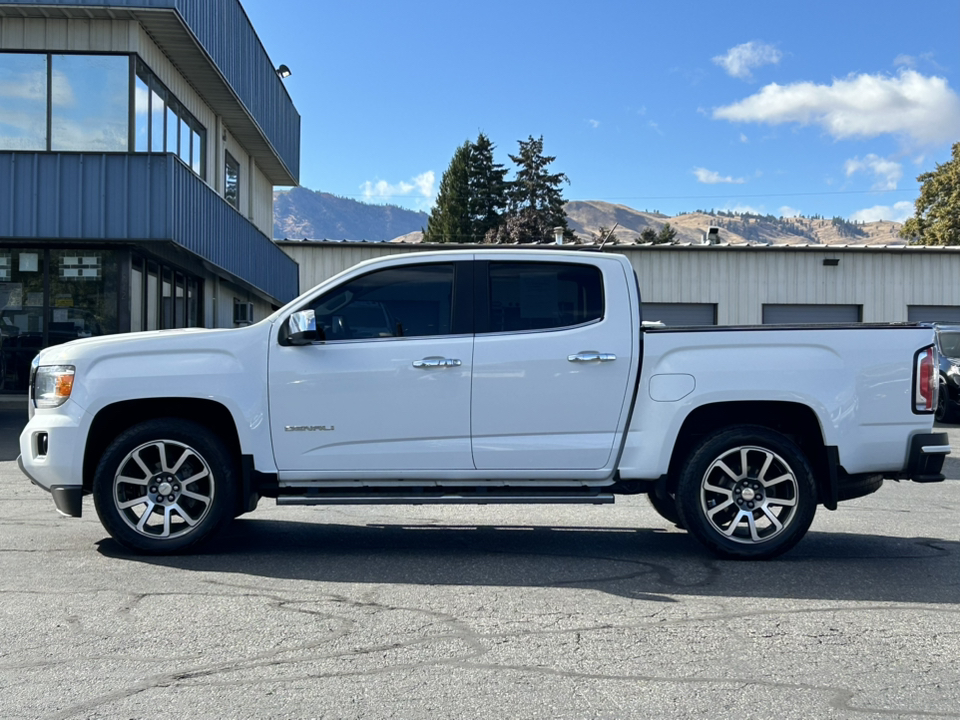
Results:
x,y
829,108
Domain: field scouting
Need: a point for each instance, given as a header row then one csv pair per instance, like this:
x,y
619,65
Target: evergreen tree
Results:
x,y
666,235
649,235
937,221
535,199
488,189
449,221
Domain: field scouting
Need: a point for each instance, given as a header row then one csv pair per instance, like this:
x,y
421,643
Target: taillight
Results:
x,y
926,380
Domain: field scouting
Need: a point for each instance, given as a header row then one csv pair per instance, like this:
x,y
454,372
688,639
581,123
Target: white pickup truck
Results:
x,y
488,376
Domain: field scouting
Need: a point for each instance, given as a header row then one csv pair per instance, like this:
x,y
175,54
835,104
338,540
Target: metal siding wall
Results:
x,y
84,196
225,238
225,32
89,196
53,35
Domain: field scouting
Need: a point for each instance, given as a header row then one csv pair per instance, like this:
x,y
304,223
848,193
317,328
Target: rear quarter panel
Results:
x,y
857,380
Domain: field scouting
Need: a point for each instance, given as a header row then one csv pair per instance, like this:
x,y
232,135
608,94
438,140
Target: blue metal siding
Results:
x,y
87,197
225,32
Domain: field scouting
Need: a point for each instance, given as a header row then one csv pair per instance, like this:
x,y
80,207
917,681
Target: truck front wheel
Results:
x,y
164,486
747,492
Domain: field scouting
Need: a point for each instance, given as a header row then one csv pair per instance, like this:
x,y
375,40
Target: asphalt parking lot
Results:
x,y
482,612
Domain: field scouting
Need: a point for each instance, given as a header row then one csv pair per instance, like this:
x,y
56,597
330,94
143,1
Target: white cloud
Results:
x,y
712,177
421,188
594,123
788,212
746,209
744,138
887,172
923,109
905,60
899,212
742,59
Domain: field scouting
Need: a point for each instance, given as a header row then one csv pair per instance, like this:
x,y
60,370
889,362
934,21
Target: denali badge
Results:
x,y
308,428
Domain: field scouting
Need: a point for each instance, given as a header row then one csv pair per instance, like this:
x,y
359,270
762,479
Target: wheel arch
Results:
x,y
113,419
794,420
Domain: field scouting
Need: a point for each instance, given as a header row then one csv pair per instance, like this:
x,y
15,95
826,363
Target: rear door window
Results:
x,y
526,296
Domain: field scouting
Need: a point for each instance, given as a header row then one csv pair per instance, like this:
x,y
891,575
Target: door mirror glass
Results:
x,y
301,329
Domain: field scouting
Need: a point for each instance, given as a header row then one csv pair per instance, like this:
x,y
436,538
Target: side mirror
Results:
x,y
301,329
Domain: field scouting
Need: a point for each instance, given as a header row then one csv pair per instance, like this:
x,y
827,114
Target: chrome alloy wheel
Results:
x,y
163,489
749,494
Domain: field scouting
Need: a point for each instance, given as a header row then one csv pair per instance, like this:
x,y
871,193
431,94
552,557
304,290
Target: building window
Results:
x,y
89,103
81,103
23,97
231,183
163,124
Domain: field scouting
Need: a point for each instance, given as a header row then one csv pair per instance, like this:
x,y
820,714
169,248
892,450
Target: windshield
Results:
x,y
950,344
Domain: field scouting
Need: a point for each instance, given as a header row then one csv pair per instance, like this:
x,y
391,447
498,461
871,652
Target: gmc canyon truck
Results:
x,y
488,376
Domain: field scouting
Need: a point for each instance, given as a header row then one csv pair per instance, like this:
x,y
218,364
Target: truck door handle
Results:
x,y
591,356
436,362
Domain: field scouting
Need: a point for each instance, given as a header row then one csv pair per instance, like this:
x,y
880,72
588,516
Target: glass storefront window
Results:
x,y
166,299
83,294
179,303
23,101
136,295
90,102
21,315
82,302
153,320
193,295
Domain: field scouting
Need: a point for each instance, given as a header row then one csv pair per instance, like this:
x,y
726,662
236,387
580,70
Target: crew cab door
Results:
x,y
553,364
388,389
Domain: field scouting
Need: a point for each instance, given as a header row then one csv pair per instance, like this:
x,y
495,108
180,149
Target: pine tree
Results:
x,y
535,199
666,235
649,235
937,221
449,221
488,189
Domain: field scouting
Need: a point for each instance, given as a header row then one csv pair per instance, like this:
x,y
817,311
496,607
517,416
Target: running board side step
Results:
x,y
445,499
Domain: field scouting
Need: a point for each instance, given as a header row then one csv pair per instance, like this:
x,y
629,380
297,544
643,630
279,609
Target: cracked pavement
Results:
x,y
483,612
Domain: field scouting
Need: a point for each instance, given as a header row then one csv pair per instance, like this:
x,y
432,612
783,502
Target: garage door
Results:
x,y
934,313
779,314
681,314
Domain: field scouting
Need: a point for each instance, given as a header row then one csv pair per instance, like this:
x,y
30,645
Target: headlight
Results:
x,y
53,385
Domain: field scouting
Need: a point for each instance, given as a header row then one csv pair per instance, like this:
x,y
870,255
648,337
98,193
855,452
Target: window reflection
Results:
x,y
141,96
231,189
23,102
90,102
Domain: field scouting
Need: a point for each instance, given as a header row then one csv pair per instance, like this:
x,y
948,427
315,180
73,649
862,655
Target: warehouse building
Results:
x,y
741,284
140,141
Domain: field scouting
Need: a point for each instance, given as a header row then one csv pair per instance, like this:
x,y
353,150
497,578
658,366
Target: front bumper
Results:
x,y
67,499
51,455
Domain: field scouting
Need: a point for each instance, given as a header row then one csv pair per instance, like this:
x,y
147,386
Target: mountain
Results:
x,y
586,219
300,213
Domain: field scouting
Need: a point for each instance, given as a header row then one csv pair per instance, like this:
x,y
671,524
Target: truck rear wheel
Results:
x,y
164,486
747,492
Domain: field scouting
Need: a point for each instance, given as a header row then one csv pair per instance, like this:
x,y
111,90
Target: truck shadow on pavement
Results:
x,y
644,564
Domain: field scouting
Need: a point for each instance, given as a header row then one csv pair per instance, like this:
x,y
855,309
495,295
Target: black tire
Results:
x,y
165,486
943,413
747,513
667,509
